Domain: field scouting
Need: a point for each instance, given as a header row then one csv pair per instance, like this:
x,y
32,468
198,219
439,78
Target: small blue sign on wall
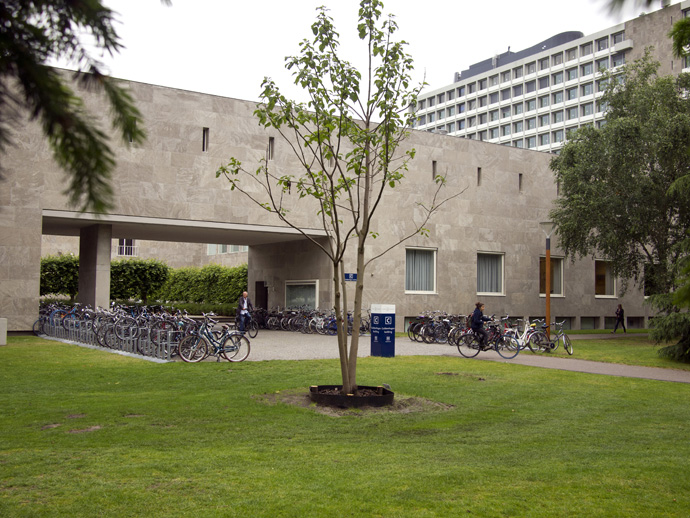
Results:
x,y
350,276
383,330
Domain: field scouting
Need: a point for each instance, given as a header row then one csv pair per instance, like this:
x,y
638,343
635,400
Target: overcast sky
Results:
x,y
227,47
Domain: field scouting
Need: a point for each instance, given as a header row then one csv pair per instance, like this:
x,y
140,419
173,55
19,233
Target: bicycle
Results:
x,y
507,346
529,333
540,345
231,345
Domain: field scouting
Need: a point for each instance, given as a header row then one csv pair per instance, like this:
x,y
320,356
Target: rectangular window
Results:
x,y
505,130
471,122
557,59
422,104
489,273
505,112
557,117
556,287
517,72
125,247
450,127
505,94
543,82
451,111
587,89
587,109
517,90
461,91
441,114
543,63
531,142
483,101
270,152
483,118
543,101
531,68
557,136
302,294
557,78
586,49
482,84
517,127
431,117
450,94
618,60
479,176
602,64
544,139
505,76
571,54
587,69
557,97
431,101
571,74
422,120
471,88
461,108
493,98
544,120
518,143
441,98
604,281
420,270
517,109
531,123
618,37
472,105
602,84
602,43
461,124
205,134
571,93
493,115
493,80
531,105
530,86
571,113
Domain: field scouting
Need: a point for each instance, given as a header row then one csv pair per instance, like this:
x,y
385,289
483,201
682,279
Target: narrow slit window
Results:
x,y
204,139
479,176
433,169
271,148
520,182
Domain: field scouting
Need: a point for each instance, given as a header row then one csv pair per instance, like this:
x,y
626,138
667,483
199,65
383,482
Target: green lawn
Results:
x,y
88,433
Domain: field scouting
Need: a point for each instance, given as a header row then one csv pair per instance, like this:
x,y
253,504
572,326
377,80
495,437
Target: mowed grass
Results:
x,y
89,433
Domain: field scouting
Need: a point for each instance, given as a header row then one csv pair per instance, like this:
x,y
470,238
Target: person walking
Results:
x,y
620,319
244,306
477,323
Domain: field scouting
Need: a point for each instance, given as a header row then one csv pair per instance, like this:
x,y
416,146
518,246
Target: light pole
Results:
x,y
548,228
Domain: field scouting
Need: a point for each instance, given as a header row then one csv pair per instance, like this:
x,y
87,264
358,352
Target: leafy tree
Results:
x,y
34,32
348,142
615,182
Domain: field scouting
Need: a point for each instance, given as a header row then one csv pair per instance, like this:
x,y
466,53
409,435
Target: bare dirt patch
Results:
x,y
401,404
49,426
89,429
76,416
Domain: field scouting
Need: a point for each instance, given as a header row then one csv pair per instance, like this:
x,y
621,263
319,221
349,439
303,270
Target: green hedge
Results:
x,y
149,280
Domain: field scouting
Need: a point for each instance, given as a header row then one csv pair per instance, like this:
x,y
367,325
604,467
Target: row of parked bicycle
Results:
x,y
507,336
307,320
145,330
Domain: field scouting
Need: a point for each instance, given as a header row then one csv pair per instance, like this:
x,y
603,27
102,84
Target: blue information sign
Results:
x,y
350,276
383,330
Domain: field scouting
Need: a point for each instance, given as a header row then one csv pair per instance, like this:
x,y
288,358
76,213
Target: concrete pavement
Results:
x,y
285,345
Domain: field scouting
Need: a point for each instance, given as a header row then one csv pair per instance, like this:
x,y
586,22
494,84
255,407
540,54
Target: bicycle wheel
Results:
x,y
253,329
468,345
538,343
567,344
193,348
235,348
507,347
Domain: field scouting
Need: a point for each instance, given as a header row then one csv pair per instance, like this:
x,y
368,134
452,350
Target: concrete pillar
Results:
x,y
94,265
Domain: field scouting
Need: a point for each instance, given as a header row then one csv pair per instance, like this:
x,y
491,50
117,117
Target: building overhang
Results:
x,y
70,223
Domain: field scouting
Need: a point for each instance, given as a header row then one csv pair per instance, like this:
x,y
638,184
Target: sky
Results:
x,y
227,47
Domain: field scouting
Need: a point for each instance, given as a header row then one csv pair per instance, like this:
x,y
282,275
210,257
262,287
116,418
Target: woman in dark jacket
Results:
x,y
477,322
620,318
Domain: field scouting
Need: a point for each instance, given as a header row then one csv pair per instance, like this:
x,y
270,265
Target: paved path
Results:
x,y
284,345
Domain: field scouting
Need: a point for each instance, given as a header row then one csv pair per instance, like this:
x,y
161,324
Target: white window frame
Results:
x,y
614,280
434,252
561,260
503,274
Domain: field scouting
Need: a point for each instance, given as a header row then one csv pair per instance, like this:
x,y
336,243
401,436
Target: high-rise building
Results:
x,y
534,97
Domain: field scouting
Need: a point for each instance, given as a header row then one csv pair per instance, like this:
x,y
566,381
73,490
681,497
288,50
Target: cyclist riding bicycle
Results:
x,y
477,323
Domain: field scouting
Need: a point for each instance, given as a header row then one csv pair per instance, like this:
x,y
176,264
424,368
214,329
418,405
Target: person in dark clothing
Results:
x,y
244,306
477,323
620,319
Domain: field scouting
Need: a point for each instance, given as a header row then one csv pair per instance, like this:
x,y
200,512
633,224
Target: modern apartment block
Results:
x,y
533,98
